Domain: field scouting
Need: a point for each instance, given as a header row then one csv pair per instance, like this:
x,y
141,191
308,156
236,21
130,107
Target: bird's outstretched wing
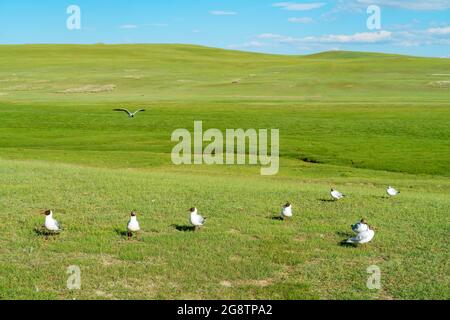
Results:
x,y
141,110
123,110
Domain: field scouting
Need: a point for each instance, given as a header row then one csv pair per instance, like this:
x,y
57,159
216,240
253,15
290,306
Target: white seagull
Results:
x,y
133,225
196,220
130,114
50,223
365,236
336,195
392,192
286,212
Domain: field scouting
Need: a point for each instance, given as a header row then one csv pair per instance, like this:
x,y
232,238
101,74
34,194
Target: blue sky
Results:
x,y
288,27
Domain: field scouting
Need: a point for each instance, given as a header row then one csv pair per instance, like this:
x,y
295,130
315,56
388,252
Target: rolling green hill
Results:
x,y
355,121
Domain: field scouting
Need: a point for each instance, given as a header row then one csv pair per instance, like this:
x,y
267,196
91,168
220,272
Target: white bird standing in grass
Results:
x,y
133,225
336,195
130,114
196,220
364,233
50,223
286,212
392,192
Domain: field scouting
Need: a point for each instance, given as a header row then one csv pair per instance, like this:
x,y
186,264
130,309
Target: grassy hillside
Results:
x,y
366,110
165,72
354,121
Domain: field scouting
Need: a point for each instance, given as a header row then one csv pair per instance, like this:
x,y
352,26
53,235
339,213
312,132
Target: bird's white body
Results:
x,y
133,225
336,195
360,227
363,237
392,192
287,212
51,224
196,219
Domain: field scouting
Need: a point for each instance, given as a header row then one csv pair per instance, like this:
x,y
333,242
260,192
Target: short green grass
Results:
x,y
367,120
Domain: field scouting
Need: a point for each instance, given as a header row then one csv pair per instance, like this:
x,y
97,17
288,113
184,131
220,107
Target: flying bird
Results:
x,y
196,220
50,223
133,225
392,192
130,114
336,195
286,212
364,235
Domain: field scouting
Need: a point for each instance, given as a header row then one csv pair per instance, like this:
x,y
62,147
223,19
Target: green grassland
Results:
x,y
355,121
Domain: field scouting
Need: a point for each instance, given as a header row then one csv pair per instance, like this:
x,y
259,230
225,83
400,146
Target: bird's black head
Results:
x,y
133,214
192,209
47,212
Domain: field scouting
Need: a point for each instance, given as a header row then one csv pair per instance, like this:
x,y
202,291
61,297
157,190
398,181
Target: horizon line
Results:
x,y
216,48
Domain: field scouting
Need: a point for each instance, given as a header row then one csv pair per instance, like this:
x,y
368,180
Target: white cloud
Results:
x,y
129,26
363,37
409,44
303,20
251,44
360,6
432,36
223,13
419,5
439,31
293,6
278,38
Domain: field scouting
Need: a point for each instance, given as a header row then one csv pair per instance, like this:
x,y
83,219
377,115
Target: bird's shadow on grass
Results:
x,y
276,218
344,242
183,228
42,232
326,200
121,233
